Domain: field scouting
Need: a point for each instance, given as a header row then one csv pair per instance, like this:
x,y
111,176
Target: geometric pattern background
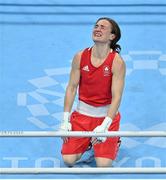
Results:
x,y
37,42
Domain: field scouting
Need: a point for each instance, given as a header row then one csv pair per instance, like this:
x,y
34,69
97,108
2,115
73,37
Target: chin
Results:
x,y
97,40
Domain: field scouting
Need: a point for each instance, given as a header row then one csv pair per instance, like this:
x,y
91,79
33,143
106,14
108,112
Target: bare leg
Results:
x,y
70,159
103,162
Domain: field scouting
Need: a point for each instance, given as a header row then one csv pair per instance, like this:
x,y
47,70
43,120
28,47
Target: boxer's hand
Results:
x,y
101,129
66,125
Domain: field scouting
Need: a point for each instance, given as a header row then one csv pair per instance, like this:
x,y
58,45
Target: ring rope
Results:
x,y
82,134
157,170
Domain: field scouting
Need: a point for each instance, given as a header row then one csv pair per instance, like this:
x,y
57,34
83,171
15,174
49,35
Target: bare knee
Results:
x,y
103,162
70,160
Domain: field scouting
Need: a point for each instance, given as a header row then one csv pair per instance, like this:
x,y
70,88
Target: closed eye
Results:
x,y
101,26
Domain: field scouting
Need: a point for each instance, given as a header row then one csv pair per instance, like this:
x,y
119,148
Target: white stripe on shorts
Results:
x,y
93,111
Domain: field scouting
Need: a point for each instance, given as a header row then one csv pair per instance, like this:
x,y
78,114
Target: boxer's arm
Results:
x,y
71,89
71,93
118,80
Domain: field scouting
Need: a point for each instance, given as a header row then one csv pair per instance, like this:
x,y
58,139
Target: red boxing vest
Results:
x,y
95,82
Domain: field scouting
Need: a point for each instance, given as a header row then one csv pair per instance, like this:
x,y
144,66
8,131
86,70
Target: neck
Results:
x,y
100,51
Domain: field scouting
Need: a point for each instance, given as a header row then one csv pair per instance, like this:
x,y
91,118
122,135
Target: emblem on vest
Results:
x,y
86,68
106,71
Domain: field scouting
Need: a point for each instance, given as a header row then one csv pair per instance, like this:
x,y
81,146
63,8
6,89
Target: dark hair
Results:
x,y
116,31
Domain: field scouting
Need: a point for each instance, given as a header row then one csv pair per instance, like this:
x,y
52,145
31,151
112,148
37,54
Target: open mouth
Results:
x,y
97,34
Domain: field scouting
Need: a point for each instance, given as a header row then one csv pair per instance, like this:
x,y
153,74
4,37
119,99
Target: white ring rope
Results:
x,y
82,134
82,170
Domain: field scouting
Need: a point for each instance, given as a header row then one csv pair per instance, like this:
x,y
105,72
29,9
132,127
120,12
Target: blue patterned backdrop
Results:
x,y
38,40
